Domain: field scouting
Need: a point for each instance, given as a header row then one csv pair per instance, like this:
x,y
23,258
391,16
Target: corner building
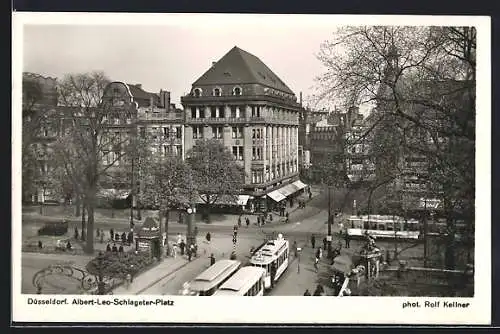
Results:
x,y
242,103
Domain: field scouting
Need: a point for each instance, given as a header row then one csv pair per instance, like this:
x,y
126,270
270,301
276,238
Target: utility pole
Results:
x,y
132,194
425,232
330,219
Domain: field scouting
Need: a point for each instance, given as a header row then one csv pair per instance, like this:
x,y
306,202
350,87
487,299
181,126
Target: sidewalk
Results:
x,y
301,275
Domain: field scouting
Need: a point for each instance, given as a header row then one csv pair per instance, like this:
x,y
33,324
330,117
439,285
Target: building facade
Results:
x,y
242,103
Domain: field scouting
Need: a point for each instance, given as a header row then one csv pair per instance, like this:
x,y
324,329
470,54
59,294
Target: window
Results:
x,y
213,112
221,112
217,92
237,91
142,131
166,132
197,92
197,132
178,132
238,152
256,153
255,111
217,132
237,132
193,112
154,133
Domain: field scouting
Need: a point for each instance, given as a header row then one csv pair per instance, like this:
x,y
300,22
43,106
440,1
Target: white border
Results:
x,y
324,310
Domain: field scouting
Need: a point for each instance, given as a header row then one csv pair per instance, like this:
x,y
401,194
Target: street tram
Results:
x,y
383,226
273,258
206,283
248,281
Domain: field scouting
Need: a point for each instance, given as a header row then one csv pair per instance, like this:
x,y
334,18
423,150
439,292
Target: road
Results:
x,y
31,263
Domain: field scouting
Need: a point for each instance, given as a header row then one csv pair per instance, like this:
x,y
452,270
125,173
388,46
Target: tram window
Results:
x,y
381,227
389,227
366,225
352,224
373,226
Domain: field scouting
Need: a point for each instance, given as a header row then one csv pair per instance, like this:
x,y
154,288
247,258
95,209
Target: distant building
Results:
x,y
41,127
242,103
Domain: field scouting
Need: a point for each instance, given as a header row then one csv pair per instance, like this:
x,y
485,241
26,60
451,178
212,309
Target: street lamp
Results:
x,y
330,221
190,237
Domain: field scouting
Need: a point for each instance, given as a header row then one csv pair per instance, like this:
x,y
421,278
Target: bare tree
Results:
x,y
420,82
91,147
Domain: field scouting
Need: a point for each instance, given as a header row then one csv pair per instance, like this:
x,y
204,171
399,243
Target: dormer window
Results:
x,y
217,91
237,91
197,92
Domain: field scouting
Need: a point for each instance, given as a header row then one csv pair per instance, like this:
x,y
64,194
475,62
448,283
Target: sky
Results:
x,y
172,55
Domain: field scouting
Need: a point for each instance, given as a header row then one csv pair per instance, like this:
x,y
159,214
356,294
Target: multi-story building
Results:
x,y
242,103
151,116
41,126
360,165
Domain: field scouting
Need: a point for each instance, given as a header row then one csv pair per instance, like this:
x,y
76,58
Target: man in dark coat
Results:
x,y
212,259
324,243
120,250
247,221
108,248
112,234
313,241
124,237
114,249
182,245
347,240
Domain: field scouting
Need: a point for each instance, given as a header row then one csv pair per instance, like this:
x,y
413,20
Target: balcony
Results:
x,y
220,100
161,116
240,120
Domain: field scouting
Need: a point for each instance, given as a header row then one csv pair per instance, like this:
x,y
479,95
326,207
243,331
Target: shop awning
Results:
x,y
113,193
287,190
276,196
299,184
225,200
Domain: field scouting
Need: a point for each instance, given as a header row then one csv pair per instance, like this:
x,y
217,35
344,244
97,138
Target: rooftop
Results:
x,y
239,66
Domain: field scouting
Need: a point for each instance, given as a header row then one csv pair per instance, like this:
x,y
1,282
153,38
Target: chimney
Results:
x,y
162,98
300,99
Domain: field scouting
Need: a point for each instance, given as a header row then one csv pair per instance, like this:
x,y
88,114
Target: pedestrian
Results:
x,y
212,259
40,245
258,221
320,253
295,248
120,250
196,230
247,221
111,234
194,250
239,221
287,215
310,194
76,233
68,245
316,260
347,240
182,245
108,248
270,217
101,238
324,243
174,250
307,293
97,233
313,241
130,238
114,249
179,238
117,237
208,237
188,251
124,237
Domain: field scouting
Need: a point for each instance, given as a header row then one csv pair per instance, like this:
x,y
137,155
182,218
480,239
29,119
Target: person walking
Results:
x,y
189,254
108,248
247,221
239,221
324,243
208,237
316,261
212,259
114,249
111,234
124,237
320,253
307,293
182,245
120,250
313,241
295,248
174,250
347,240
76,233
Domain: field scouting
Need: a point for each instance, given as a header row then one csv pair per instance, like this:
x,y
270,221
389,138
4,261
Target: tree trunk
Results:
x,y
77,206
89,249
83,223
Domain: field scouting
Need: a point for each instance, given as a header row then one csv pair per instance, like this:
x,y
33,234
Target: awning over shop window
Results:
x,y
299,184
113,193
287,190
276,196
224,200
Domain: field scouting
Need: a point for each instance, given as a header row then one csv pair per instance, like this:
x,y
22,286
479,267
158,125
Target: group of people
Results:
x,y
247,221
125,238
114,249
189,250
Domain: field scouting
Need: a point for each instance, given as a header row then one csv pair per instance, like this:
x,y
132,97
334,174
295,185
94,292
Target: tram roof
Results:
x,y
242,278
383,218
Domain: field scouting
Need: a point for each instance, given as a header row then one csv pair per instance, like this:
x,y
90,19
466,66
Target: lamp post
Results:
x,y
132,193
190,237
330,221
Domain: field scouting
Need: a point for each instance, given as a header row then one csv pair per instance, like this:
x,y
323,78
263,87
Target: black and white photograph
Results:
x,y
161,158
